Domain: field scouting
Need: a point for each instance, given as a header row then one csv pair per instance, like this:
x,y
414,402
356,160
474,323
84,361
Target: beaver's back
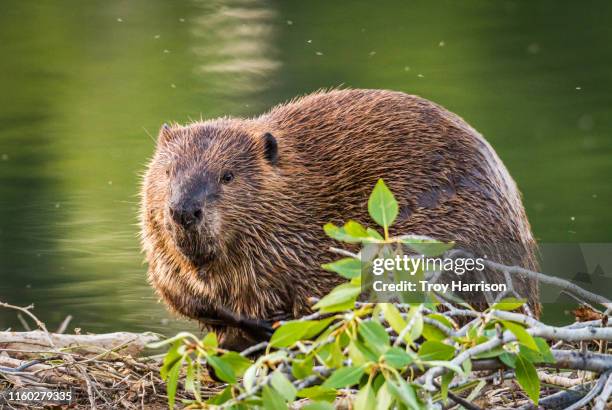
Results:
x,y
434,161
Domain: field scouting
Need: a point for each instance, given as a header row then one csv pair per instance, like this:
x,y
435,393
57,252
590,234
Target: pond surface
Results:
x,y
85,87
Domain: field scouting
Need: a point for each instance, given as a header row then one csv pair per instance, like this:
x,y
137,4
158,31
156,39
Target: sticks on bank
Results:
x,y
103,371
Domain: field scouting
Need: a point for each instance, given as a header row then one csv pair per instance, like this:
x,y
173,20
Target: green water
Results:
x,y
84,85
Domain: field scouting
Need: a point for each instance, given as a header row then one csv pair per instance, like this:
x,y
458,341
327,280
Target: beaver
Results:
x,y
232,209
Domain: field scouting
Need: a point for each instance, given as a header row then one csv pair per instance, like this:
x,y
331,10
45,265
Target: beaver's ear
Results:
x,y
270,148
165,134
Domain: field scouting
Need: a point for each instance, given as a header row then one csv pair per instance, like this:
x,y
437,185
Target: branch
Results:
x,y
600,402
542,278
564,359
85,344
26,310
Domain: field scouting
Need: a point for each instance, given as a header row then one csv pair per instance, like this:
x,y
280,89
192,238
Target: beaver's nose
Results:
x,y
186,216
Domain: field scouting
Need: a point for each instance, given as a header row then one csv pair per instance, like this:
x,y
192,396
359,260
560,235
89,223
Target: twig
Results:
x,y
564,359
600,402
580,301
560,381
26,310
23,322
344,252
62,327
437,324
255,348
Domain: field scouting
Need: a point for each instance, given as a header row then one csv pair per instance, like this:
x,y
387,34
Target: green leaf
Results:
x,y
171,357
291,332
508,304
447,378
374,234
428,247
355,229
272,400
210,340
222,369
508,359
415,318
374,335
491,353
172,383
288,334
521,334
318,405
318,393
331,354
397,358
530,355
527,376
348,268
349,233
237,362
282,385
302,368
359,354
222,397
316,326
382,205
384,399
342,297
433,333
547,356
441,318
393,316
403,392
190,384
543,355
344,377
434,350
365,398
250,376
467,366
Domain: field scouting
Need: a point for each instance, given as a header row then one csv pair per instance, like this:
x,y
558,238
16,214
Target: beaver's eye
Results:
x,y
227,177
167,172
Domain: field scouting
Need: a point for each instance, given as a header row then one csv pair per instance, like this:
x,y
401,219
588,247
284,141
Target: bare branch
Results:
x,y
26,310
602,400
542,278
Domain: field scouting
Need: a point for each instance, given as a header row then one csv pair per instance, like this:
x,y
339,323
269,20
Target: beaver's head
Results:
x,y
210,177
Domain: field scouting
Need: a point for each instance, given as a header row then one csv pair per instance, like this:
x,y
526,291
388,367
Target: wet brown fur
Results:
x,y
332,147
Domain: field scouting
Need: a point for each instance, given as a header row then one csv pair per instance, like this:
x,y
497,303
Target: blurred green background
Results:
x,y
86,85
